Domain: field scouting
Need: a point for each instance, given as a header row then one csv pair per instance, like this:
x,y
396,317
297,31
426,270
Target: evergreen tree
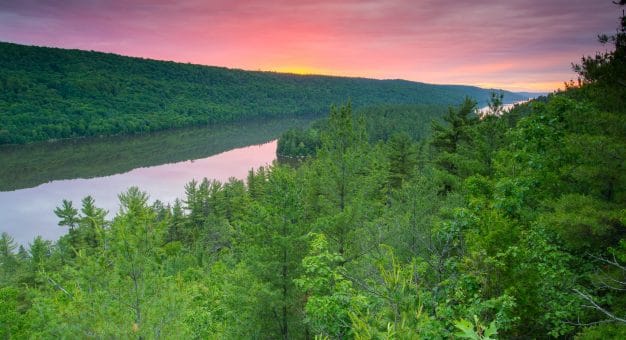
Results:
x,y
448,139
402,159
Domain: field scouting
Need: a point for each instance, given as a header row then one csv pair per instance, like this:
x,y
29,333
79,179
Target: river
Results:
x,y
34,179
505,107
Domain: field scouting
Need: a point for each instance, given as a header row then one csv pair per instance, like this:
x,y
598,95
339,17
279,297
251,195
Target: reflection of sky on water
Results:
x,y
29,212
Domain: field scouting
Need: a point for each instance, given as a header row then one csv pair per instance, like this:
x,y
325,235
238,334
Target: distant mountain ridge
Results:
x,y
52,93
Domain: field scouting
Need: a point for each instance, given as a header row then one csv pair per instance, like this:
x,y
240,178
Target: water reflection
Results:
x,y
29,212
30,165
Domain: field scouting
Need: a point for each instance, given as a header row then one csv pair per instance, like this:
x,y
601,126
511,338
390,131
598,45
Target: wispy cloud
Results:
x,y
504,43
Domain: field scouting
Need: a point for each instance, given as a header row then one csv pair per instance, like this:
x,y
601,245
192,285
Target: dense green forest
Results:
x,y
51,93
500,226
509,224
380,122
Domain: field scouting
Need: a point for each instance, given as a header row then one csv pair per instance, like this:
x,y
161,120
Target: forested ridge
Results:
x,y
507,225
51,93
380,122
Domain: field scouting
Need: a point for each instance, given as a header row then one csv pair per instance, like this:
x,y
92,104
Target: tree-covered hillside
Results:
x,y
50,93
508,226
381,122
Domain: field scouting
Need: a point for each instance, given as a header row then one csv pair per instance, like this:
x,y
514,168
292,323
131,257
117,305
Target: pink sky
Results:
x,y
512,44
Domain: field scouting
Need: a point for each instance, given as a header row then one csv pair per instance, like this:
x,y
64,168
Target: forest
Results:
x,y
380,123
51,93
508,224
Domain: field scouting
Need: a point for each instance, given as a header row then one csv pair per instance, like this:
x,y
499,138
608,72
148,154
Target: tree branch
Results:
x,y
597,307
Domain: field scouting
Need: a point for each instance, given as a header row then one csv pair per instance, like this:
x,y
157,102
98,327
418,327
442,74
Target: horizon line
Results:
x,y
304,74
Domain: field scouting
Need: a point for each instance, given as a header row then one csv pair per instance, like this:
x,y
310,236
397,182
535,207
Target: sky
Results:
x,y
519,45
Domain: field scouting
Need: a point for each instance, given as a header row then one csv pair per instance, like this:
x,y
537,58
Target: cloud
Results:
x,y
431,40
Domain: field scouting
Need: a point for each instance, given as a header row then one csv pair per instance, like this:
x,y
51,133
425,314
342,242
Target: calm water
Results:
x,y
505,107
34,179
26,213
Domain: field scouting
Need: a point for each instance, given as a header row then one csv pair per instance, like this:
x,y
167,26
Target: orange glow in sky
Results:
x,y
520,45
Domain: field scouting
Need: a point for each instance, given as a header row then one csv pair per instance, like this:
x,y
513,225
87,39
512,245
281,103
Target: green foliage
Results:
x,y
68,215
13,322
49,93
583,223
402,159
603,331
227,303
298,143
449,138
381,123
607,68
507,226
388,256
330,295
495,105
475,331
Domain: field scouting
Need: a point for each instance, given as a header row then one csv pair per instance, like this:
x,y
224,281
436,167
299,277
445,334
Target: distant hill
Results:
x,y
52,93
529,95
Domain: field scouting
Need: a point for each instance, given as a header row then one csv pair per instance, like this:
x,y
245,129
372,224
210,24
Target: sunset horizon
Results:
x,y
516,46
313,169
304,71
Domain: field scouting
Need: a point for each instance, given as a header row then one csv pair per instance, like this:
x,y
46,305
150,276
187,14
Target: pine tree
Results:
x,y
402,159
